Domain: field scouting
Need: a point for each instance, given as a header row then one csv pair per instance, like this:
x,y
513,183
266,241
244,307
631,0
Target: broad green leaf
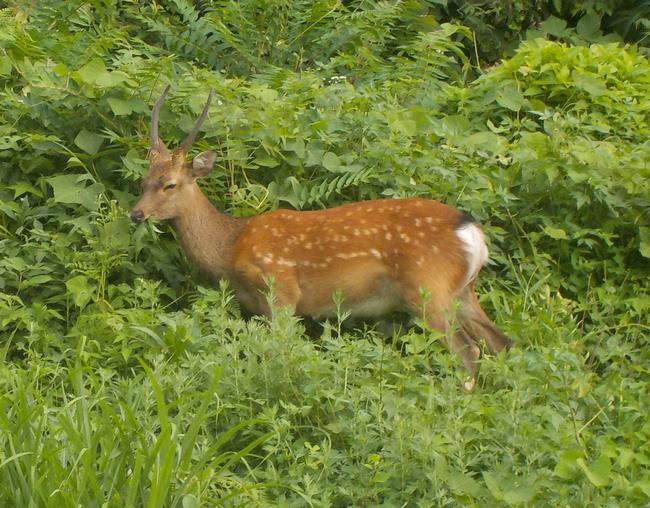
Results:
x,y
297,146
492,482
21,188
519,495
331,161
404,126
72,189
190,501
5,65
89,142
269,95
96,74
93,72
80,289
589,84
486,141
644,247
462,483
264,93
112,79
314,157
588,26
452,125
266,161
643,486
557,233
554,26
577,175
61,69
511,98
16,263
119,107
567,466
116,234
36,280
441,468
598,472
43,142
626,457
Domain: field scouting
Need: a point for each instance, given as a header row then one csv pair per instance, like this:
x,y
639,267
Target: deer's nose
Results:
x,y
137,215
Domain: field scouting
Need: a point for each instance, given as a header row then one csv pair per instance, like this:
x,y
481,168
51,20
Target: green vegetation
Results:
x,y
127,380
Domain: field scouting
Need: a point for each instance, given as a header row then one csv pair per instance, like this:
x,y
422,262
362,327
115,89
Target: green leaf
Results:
x,y
492,482
486,141
519,495
643,486
599,472
89,142
72,189
589,26
589,84
80,289
21,188
462,483
266,161
557,233
403,126
511,98
61,69
190,501
120,107
554,26
452,125
566,466
331,162
36,280
116,234
94,72
264,93
644,247
297,146
5,65
16,263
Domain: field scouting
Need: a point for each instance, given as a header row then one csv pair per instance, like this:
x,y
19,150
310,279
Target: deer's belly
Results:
x,y
371,299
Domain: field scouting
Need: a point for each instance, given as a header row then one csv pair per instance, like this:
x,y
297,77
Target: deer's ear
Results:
x,y
202,163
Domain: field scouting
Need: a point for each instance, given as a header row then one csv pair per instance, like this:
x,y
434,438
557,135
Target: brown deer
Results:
x,y
380,255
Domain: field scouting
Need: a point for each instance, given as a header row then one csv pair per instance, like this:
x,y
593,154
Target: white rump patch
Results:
x,y
474,245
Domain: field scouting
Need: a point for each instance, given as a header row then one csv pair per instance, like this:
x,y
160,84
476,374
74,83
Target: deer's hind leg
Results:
x,y
439,313
459,342
477,324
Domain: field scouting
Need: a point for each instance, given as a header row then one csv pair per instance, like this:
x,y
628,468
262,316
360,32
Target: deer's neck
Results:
x,y
207,235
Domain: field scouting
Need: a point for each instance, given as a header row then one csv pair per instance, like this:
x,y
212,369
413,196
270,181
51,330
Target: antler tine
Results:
x,y
154,140
185,145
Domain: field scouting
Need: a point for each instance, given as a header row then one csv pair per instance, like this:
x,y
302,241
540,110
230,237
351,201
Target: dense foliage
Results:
x,y
126,380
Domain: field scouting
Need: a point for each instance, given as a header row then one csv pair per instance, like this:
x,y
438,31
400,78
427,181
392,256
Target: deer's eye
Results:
x,y
169,186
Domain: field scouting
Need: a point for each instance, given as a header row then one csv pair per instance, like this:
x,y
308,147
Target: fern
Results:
x,y
249,37
319,191
197,39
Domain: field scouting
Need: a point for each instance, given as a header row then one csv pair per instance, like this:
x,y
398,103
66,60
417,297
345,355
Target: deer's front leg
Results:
x,y
259,290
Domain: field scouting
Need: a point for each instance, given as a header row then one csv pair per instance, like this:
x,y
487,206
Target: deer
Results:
x,y
379,255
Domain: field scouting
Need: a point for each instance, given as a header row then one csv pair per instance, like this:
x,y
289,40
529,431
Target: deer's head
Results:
x,y
170,183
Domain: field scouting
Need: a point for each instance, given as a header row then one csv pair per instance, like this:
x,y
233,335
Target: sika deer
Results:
x,y
378,254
